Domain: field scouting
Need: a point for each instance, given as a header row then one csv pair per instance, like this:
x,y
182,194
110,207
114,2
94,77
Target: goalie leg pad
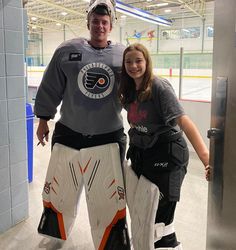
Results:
x,y
62,189
131,182
143,214
134,191
105,194
142,195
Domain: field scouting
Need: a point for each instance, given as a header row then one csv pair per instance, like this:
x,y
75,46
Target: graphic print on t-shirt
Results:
x,y
96,80
134,115
137,117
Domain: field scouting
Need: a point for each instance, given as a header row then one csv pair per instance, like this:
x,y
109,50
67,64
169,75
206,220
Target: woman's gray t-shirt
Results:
x,y
155,116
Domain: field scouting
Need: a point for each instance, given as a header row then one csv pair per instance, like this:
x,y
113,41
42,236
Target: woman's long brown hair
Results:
x,y
127,85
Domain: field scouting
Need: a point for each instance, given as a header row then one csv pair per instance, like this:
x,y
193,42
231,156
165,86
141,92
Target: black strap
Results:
x,y
170,136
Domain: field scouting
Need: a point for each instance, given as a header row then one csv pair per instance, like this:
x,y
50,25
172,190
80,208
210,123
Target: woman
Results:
x,y
157,150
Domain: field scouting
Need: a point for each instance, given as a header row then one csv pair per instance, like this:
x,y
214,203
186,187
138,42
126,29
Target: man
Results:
x,y
83,75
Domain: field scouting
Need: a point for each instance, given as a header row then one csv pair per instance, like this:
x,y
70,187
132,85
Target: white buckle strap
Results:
x,y
179,247
160,230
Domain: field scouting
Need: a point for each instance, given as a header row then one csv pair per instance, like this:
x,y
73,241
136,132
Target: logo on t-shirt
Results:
x,y
75,56
96,80
135,115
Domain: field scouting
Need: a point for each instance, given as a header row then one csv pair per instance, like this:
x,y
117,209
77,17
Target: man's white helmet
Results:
x,y
108,4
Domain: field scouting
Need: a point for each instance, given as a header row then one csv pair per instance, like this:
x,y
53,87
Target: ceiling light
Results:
x,y
149,0
141,14
33,18
167,10
64,13
157,5
34,27
58,24
162,4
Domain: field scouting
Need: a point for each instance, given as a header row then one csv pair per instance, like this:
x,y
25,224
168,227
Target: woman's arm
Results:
x,y
195,138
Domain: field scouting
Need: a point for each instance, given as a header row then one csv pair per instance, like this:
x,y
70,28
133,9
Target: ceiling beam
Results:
x,y
42,27
46,18
185,4
54,29
63,8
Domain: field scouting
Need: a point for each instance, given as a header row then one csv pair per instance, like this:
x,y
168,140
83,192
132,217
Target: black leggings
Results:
x,y
165,214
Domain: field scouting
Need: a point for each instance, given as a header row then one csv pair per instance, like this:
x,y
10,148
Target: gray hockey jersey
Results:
x,y
85,80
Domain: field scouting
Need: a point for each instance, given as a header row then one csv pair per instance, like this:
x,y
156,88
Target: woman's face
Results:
x,y
135,65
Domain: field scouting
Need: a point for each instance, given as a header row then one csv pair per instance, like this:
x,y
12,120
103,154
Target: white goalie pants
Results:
x,y
143,198
99,170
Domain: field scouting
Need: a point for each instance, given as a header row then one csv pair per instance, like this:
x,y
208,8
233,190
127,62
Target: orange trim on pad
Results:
x,y
85,168
119,215
59,218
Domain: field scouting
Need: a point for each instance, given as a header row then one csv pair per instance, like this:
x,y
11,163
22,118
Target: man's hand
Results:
x,y
42,132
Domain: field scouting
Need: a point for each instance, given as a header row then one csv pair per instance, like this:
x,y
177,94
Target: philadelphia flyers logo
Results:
x,y
93,79
96,80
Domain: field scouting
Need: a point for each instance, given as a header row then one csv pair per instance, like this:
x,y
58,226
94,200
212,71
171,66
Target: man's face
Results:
x,y
99,26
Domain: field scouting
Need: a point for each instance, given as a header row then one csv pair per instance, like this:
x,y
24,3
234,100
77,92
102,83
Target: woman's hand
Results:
x,y
208,172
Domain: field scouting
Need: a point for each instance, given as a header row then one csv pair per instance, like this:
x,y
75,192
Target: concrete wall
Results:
x,y
13,145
